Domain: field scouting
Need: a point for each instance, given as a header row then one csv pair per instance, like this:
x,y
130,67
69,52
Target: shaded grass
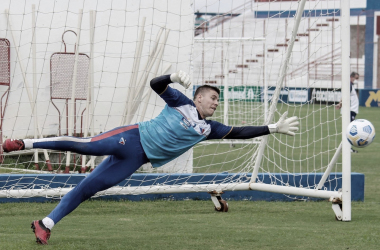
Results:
x,y
194,225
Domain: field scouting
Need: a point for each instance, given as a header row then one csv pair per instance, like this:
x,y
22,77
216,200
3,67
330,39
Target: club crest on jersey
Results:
x,y
122,141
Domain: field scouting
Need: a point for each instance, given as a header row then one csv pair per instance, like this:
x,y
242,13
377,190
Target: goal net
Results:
x,y
266,57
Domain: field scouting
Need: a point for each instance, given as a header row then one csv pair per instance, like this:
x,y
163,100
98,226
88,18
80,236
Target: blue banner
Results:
x,y
369,97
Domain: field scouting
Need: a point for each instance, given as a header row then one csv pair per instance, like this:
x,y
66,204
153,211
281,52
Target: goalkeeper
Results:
x,y
180,126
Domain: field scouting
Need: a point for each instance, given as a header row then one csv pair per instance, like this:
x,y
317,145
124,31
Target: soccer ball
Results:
x,y
360,133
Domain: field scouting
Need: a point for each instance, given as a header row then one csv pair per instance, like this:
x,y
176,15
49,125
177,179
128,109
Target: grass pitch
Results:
x,y
195,225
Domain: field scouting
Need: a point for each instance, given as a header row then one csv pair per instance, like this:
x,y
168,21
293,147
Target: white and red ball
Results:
x,y
360,133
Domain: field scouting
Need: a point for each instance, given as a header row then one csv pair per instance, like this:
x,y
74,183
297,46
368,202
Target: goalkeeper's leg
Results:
x,y
107,174
110,172
107,143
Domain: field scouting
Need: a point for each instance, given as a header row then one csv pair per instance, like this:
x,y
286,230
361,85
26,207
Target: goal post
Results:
x,y
346,156
266,57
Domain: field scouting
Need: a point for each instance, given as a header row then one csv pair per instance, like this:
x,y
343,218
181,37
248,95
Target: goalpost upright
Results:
x,y
346,154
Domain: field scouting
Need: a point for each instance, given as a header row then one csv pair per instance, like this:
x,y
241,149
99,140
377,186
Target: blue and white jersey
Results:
x,y
176,129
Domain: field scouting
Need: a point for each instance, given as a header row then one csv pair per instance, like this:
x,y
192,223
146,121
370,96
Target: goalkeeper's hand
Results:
x,y
182,78
285,126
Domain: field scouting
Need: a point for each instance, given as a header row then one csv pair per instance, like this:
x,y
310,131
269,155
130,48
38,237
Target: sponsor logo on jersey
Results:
x,y
183,125
184,120
122,141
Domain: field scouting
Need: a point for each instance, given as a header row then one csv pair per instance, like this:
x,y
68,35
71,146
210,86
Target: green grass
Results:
x,y
195,225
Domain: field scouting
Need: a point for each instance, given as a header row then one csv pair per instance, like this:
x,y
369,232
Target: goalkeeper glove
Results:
x,y
182,78
285,126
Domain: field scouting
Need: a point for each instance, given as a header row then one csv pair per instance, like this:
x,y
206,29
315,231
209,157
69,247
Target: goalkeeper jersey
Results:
x,y
176,129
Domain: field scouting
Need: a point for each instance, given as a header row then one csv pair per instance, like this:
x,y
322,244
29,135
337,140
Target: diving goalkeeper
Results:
x,y
180,125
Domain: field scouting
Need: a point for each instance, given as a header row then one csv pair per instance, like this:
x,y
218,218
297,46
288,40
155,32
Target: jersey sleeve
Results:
x,y
218,130
247,132
172,97
175,98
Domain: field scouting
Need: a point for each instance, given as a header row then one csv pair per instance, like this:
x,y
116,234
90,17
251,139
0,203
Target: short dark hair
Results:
x,y
202,88
353,74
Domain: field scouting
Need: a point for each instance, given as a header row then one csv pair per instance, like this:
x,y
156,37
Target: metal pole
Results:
x,y
89,85
225,91
332,51
330,166
265,77
71,125
357,45
34,83
308,53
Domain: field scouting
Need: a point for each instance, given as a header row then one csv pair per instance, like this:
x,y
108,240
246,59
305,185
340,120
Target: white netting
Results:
x,y
241,49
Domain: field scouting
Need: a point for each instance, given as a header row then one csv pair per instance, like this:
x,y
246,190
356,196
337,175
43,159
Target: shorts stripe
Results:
x,y
114,132
60,138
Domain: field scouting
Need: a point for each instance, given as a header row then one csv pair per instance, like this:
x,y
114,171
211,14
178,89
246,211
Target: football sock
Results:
x,y
49,223
28,143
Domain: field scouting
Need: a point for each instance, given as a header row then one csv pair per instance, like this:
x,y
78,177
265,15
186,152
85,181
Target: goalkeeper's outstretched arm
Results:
x,y
287,126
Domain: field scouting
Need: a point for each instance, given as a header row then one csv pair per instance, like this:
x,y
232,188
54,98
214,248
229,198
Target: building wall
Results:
x,y
370,48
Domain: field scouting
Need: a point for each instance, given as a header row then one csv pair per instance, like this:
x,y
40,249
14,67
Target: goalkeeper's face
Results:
x,y
207,102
